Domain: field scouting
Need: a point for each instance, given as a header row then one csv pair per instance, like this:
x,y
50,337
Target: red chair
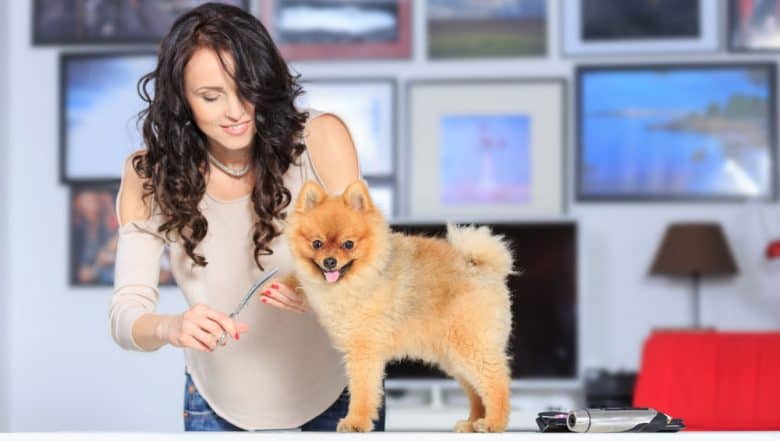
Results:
x,y
712,380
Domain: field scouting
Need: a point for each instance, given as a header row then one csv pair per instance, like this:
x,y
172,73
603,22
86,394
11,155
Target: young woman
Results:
x,y
226,151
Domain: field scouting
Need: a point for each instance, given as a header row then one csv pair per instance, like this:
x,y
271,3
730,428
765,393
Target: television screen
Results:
x,y
682,132
543,343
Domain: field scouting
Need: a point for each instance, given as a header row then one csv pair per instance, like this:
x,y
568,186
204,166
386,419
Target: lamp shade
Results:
x,y
694,248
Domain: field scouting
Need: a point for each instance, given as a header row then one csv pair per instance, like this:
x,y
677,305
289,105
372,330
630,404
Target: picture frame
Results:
x,y
98,108
466,29
338,30
753,26
485,150
575,43
707,134
93,227
368,108
55,22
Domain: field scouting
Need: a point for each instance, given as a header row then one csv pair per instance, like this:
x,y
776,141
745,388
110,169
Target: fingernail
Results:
x,y
274,286
237,336
265,300
265,293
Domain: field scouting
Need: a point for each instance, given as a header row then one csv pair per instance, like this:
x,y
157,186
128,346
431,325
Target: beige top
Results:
x,y
281,373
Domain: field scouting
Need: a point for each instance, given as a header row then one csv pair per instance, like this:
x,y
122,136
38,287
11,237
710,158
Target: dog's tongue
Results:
x,y
332,276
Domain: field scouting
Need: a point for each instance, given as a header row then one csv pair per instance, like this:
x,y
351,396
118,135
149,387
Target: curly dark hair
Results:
x,y
177,151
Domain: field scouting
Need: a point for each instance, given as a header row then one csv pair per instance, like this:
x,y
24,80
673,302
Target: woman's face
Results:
x,y
218,111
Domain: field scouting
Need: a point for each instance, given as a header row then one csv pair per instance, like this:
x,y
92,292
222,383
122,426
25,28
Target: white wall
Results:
x,y
4,234
67,373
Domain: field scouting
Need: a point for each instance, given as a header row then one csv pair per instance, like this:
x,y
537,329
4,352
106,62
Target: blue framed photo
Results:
x,y
676,132
367,107
99,104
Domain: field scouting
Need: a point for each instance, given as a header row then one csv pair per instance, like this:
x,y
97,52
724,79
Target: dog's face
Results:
x,y
332,237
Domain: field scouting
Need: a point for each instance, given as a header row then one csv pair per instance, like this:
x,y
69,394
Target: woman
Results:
x,y
226,152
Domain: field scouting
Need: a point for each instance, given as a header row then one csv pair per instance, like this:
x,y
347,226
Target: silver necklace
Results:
x,y
227,169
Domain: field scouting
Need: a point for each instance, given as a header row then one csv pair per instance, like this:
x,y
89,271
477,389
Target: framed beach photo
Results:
x,y
339,29
99,104
93,236
480,29
754,25
612,27
58,22
485,150
367,107
676,132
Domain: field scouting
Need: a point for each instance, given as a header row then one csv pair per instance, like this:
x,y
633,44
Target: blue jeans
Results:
x,y
198,415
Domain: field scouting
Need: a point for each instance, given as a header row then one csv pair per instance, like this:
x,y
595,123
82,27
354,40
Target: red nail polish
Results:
x,y
274,286
238,337
265,300
265,293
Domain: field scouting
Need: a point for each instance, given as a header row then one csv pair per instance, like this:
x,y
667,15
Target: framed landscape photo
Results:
x,y
480,29
93,236
59,22
676,132
367,107
612,27
485,150
339,29
754,25
99,104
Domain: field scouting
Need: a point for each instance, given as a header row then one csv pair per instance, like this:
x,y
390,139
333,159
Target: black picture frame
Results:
x,y
39,36
581,70
65,59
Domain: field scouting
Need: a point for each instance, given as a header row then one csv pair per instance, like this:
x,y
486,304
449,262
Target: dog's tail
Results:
x,y
482,248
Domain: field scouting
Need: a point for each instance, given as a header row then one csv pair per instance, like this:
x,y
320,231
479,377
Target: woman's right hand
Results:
x,y
199,328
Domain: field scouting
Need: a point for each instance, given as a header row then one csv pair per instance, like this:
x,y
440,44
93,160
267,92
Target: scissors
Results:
x,y
267,276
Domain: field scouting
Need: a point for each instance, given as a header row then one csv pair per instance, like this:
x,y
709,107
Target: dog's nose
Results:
x,y
330,262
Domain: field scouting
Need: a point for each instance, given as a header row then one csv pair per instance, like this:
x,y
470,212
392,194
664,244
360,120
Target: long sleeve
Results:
x,y
136,277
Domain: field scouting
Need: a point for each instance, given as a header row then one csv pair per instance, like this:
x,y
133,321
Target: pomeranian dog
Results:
x,y
382,295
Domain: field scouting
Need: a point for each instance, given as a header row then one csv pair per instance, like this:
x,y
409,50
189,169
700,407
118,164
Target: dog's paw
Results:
x,y
482,425
351,424
464,426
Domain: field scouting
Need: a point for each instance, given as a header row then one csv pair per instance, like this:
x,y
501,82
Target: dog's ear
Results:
x,y
357,197
310,196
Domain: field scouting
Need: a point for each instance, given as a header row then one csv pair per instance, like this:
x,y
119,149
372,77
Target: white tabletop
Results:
x,y
406,436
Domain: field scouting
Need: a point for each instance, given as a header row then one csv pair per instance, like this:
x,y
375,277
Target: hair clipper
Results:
x,y
621,419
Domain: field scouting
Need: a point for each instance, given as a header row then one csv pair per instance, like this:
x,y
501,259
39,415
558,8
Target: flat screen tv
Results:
x,y
543,343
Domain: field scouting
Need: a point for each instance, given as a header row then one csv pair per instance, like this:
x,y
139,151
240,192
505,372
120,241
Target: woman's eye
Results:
x,y
210,98
316,244
348,244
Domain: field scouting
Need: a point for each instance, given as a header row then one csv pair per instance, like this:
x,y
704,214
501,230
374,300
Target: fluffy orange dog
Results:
x,y
382,295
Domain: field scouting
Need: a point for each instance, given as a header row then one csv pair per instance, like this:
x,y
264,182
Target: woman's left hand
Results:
x,y
279,295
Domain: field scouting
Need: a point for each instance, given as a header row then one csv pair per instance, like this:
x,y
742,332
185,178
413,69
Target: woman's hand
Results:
x,y
280,295
199,328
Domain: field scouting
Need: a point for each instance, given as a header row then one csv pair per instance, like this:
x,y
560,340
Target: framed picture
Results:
x,y
754,25
485,150
93,236
367,107
610,27
58,22
676,132
339,29
479,29
99,104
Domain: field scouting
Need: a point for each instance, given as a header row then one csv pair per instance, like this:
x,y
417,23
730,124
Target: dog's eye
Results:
x,y
316,244
348,245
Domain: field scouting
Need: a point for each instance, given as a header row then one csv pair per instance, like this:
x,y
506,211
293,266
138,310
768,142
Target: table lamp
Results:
x,y
694,250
